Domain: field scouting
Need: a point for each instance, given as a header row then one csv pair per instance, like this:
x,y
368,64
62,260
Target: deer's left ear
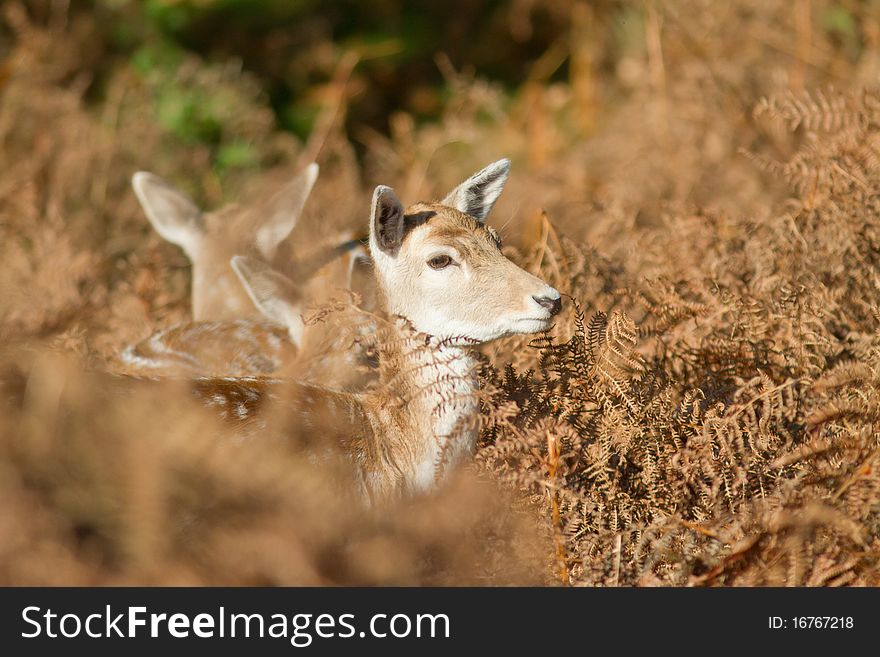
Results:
x,y
361,279
173,214
476,195
386,221
273,294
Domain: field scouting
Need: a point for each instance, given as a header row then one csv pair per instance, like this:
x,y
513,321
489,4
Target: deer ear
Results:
x,y
308,266
172,213
386,221
279,214
361,279
476,195
273,294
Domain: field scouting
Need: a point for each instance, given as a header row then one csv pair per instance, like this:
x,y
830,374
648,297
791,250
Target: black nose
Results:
x,y
553,305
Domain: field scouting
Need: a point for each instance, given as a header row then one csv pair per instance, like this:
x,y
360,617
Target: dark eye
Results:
x,y
439,262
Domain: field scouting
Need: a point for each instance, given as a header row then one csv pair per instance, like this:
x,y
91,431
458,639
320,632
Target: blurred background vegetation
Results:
x,y
295,47
218,72
395,56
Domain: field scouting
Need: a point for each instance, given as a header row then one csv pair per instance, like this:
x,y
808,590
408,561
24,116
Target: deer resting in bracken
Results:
x,y
228,336
441,271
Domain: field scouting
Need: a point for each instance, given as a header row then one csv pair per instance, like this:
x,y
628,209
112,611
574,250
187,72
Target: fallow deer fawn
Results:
x,y
227,336
440,268
276,344
211,239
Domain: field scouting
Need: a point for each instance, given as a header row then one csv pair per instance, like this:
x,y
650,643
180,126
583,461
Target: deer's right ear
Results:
x,y
476,195
279,214
386,220
172,213
273,294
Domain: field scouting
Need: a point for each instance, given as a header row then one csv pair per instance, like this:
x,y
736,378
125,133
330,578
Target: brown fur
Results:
x,y
231,348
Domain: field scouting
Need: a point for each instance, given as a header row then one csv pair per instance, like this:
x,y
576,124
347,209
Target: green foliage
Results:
x,y
240,155
842,22
188,114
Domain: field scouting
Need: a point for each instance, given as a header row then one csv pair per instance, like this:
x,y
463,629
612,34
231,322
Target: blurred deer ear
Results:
x,y
172,213
386,221
361,279
273,294
476,195
277,216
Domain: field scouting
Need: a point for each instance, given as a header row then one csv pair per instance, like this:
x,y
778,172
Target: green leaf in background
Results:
x,y
160,58
236,155
169,15
839,19
188,114
299,118
842,23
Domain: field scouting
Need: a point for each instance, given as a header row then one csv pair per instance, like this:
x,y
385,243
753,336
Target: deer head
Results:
x,y
441,267
211,239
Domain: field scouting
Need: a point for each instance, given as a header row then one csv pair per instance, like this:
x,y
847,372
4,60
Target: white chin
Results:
x,y
514,327
531,325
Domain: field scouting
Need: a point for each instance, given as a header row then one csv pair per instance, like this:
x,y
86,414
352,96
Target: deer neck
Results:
x,y
432,429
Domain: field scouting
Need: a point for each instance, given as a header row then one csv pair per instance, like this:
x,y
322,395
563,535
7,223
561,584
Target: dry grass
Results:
x,y
707,412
